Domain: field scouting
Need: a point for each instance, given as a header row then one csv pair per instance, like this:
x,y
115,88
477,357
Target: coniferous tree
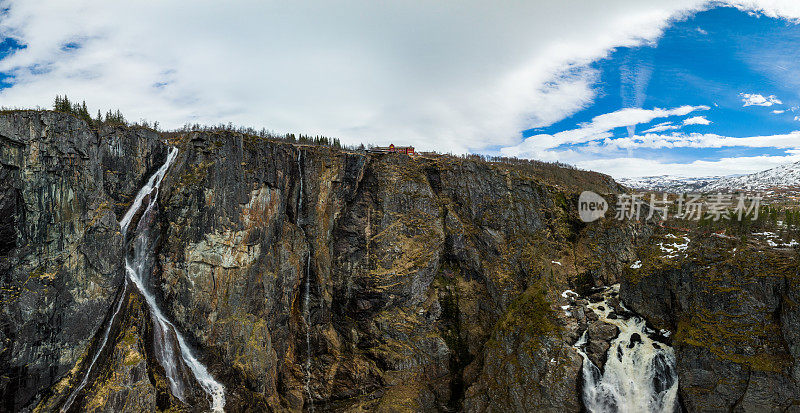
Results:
x,y
115,118
62,104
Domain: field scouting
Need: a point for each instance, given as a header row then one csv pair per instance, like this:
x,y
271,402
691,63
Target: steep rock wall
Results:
x,y
301,275
733,314
409,265
62,186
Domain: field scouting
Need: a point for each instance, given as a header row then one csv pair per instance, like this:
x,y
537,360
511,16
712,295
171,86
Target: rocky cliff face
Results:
x,y
733,313
307,277
341,279
62,186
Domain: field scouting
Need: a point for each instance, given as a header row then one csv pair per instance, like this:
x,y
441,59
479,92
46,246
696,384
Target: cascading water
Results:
x,y
639,374
300,192
306,293
85,378
154,180
166,336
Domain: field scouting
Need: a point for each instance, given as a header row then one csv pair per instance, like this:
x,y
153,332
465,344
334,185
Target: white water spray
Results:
x,y
639,374
152,184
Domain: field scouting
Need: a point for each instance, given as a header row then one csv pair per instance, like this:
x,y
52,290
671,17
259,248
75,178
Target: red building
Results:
x,y
408,150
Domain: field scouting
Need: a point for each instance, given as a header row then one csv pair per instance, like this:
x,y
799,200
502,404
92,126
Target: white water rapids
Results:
x,y
166,336
639,374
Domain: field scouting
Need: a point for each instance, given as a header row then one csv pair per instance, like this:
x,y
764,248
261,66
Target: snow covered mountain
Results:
x,y
784,176
668,183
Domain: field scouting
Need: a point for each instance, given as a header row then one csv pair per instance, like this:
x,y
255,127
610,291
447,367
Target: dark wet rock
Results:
x,y
634,340
613,303
591,315
599,336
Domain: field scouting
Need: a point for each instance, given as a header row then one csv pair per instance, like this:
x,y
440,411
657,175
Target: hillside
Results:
x,y
668,183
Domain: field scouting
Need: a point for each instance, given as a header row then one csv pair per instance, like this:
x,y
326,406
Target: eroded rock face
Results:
x,y
299,274
61,185
734,319
393,271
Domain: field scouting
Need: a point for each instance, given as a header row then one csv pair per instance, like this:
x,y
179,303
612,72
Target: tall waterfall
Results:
x,y
306,293
639,374
169,343
307,318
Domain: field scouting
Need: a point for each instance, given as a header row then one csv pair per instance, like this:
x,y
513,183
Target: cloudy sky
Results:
x,y
626,87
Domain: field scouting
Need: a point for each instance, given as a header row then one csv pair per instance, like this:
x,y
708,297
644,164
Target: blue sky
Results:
x,y
715,59
626,87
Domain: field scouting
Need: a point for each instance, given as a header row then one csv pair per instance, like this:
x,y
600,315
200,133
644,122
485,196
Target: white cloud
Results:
x,y
696,120
636,167
787,9
778,111
615,155
755,99
699,140
599,128
701,31
448,75
661,127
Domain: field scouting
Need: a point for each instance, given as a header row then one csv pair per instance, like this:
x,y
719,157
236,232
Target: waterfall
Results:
x,y
639,374
85,379
300,192
166,335
307,319
306,293
152,184
168,341
154,180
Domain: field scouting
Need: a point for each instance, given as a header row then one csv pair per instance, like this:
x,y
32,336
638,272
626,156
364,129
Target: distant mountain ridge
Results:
x,y
782,176
668,183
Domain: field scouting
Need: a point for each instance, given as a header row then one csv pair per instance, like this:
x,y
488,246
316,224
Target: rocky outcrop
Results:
x,y
61,184
732,310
